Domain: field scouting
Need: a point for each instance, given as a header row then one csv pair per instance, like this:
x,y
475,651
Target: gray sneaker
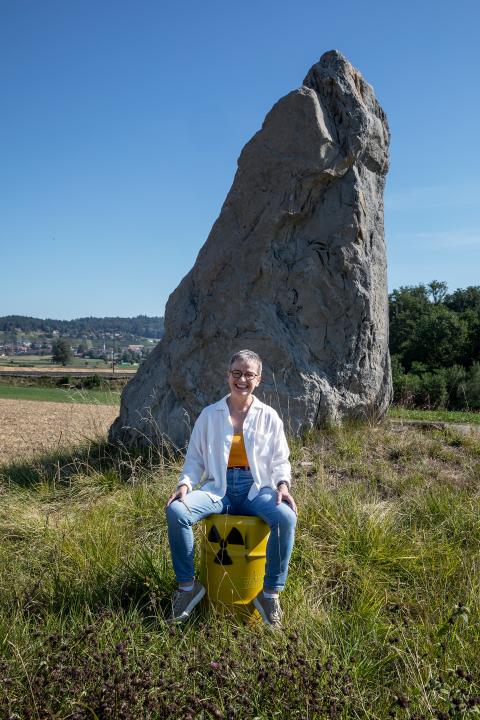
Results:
x,y
269,609
183,602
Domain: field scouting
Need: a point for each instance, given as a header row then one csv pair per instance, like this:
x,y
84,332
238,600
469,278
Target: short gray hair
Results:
x,y
247,355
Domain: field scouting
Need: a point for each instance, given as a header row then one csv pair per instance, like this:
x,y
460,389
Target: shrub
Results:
x,y
473,386
405,385
65,380
432,390
419,388
91,382
455,378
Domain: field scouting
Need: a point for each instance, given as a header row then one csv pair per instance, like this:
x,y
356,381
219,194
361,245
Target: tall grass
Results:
x,y
381,605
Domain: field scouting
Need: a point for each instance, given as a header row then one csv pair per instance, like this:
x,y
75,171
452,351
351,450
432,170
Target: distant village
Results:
x,y
118,340
112,347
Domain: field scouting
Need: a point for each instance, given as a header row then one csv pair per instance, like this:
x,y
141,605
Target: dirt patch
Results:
x,y
29,428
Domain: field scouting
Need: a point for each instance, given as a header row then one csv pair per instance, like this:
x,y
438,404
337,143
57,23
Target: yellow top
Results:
x,y
238,454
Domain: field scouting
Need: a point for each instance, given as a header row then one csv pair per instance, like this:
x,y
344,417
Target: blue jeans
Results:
x,y
281,519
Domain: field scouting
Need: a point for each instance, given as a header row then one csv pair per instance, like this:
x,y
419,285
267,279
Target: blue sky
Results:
x,y
121,124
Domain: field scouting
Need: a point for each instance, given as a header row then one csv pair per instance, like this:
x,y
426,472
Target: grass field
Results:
x,y
112,397
59,395
382,607
450,416
44,362
18,360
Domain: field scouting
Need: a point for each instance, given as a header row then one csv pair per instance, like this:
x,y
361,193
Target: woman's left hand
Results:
x,y
283,494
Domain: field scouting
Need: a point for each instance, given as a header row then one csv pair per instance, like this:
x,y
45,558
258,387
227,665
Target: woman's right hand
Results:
x,y
179,494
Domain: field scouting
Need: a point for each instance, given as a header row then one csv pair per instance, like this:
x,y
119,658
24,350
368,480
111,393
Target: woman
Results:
x,y
238,445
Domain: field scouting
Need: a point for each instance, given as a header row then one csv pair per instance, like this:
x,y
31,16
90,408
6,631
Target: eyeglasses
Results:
x,y
237,375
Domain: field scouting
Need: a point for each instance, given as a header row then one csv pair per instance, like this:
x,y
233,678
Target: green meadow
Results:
x,y
381,607
56,394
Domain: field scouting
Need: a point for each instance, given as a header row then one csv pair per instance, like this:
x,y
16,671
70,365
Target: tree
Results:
x,y
435,345
437,290
128,357
464,299
407,305
440,338
61,351
466,303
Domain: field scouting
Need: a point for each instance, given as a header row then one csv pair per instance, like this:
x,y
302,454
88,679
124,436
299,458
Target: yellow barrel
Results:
x,y
233,560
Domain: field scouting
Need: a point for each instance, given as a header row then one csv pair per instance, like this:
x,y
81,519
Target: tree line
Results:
x,y
140,326
434,342
435,346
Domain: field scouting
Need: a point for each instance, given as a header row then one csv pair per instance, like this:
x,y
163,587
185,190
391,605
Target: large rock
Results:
x,y
294,268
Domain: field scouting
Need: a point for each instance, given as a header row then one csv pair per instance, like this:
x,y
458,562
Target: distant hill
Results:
x,y
141,326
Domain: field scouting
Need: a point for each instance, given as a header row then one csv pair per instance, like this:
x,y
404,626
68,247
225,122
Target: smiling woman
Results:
x,y
239,451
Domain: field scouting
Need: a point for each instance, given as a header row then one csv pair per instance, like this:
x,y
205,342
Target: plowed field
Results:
x,y
29,428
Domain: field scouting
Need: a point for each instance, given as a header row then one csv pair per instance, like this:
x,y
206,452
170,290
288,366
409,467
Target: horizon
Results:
x,y
162,317
122,130
85,317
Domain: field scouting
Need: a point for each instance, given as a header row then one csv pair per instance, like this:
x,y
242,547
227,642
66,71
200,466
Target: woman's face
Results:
x,y
243,386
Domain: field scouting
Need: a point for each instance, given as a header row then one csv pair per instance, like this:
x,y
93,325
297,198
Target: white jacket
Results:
x,y
211,439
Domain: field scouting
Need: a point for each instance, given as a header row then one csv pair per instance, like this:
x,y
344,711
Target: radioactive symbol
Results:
x,y
234,537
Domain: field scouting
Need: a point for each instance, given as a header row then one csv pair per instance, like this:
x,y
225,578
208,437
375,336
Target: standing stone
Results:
x,y
294,268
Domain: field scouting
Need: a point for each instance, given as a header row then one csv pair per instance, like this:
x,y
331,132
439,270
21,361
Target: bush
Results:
x,y
432,390
456,378
66,380
452,388
405,385
419,388
398,373
91,382
473,386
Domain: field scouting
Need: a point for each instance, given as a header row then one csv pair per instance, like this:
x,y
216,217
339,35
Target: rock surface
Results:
x,y
294,268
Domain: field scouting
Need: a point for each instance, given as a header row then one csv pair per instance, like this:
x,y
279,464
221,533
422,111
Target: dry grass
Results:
x,y
29,428
382,612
